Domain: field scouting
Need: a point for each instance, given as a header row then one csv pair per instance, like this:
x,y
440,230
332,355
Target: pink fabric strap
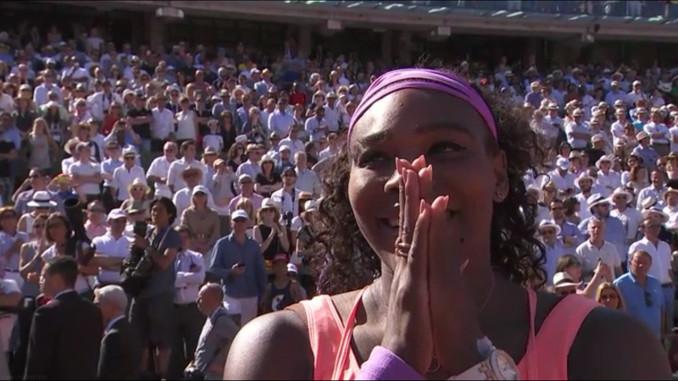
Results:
x,y
324,333
347,335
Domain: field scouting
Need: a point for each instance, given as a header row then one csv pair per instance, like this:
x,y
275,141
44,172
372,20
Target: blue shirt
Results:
x,y
226,253
649,156
643,303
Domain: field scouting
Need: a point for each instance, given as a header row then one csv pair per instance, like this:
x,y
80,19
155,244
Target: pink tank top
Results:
x,y
544,359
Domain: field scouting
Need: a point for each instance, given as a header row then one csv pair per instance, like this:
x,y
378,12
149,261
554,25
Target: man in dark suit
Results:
x,y
120,349
66,332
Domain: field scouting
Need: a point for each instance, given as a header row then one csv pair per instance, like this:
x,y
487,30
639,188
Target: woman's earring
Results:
x,y
501,193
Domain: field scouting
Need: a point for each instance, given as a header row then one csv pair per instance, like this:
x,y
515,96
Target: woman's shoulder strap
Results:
x,y
557,334
324,331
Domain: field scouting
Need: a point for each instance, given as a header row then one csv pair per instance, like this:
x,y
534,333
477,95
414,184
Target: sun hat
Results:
x,y
549,224
129,151
562,279
596,199
200,189
137,182
603,159
642,135
244,178
209,150
311,206
563,163
623,192
41,199
269,203
656,210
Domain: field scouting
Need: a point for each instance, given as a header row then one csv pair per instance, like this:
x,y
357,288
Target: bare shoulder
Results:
x,y
272,346
613,345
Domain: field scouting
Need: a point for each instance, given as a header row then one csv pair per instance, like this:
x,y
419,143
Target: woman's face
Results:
x,y
57,231
574,272
609,298
453,137
159,215
200,199
267,215
267,167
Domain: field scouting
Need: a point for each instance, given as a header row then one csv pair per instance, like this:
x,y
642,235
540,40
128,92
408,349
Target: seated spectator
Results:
x,y
111,249
86,175
120,348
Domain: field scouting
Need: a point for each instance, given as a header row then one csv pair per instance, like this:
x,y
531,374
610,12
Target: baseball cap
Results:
x,y
240,214
292,268
115,214
200,189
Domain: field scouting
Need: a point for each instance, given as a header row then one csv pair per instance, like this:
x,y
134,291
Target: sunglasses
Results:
x,y
609,297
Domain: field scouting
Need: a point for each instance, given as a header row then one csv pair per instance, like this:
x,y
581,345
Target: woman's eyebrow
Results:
x,y
380,136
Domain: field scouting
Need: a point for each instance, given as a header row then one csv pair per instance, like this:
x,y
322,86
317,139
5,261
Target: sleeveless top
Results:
x,y
545,357
281,297
275,247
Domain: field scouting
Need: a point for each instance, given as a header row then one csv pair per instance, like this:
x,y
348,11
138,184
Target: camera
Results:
x,y
140,228
288,219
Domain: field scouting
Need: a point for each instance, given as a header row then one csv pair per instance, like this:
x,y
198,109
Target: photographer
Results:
x,y
288,196
152,309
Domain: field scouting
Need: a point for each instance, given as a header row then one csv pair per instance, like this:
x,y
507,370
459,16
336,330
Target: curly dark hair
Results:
x,y
349,263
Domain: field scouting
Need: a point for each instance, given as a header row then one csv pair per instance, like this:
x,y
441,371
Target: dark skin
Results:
x,y
460,151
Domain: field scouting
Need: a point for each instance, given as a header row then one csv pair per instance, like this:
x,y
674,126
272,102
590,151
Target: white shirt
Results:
x,y
123,177
289,202
617,130
312,127
6,102
186,124
673,133
213,140
661,258
632,98
562,182
250,168
573,127
608,182
7,322
190,274
100,102
654,128
162,124
308,181
672,212
86,169
631,219
327,153
584,211
160,168
111,247
174,178
280,123
295,146
332,117
589,255
82,283
41,91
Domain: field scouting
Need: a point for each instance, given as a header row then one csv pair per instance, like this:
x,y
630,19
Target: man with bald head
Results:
x,y
216,336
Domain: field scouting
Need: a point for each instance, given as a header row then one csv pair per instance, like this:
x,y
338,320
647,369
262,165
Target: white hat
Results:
x,y
240,214
269,203
127,92
597,138
596,199
657,210
311,206
200,189
562,279
292,268
244,177
241,139
129,151
642,135
584,176
622,191
284,147
549,224
41,199
115,214
563,163
604,158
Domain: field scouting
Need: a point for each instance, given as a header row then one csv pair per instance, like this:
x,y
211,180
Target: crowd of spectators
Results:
x,y
180,191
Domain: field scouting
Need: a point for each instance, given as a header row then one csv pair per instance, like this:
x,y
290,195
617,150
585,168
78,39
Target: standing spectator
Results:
x,y
140,118
628,215
37,181
660,264
187,122
596,249
162,126
175,173
293,141
126,175
288,196
655,190
333,113
159,169
41,147
645,151
108,167
316,126
659,133
269,234
182,199
578,132
111,249
216,337
268,181
8,153
307,179
190,269
642,293
10,243
40,92
85,174
609,296
280,121
568,232
152,310
64,327
120,348
548,232
614,229
251,167
237,261
201,221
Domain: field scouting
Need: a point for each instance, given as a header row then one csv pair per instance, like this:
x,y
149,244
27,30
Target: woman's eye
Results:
x,y
445,147
371,159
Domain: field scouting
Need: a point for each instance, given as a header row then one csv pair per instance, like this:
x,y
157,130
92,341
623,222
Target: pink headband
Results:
x,y
429,79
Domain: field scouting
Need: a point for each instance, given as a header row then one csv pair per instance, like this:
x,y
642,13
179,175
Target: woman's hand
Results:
x,y
408,331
